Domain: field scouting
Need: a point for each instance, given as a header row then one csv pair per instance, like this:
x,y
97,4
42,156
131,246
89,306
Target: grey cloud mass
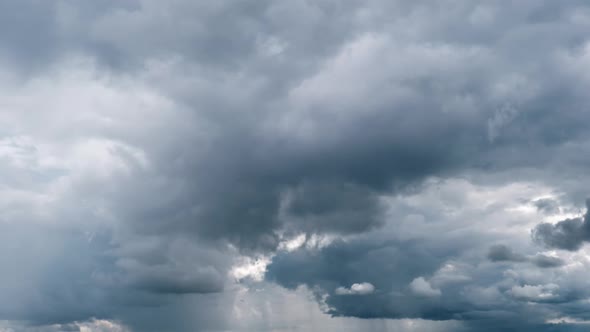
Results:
x,y
219,165
502,253
568,234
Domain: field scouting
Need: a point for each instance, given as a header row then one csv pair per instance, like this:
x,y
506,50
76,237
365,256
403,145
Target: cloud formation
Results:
x,y
422,287
197,165
502,253
363,288
568,234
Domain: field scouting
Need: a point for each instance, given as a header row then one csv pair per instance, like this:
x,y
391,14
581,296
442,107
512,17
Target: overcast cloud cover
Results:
x,y
380,165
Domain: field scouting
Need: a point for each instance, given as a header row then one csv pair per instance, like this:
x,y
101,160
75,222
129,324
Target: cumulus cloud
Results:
x,y
363,288
159,160
569,234
535,293
545,261
439,278
422,287
92,325
502,253
547,205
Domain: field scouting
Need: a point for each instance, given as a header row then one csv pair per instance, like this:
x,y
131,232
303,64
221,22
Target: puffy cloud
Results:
x,y
436,268
158,156
535,293
545,261
422,287
501,253
568,234
363,288
547,205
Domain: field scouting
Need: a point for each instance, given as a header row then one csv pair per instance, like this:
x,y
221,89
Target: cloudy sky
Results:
x,y
304,165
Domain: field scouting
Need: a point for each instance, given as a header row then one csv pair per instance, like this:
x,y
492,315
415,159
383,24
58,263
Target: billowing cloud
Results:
x,y
363,288
422,287
535,293
423,269
544,261
568,234
163,163
501,253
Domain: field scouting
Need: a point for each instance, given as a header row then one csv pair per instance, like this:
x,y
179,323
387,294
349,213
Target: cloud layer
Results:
x,y
420,164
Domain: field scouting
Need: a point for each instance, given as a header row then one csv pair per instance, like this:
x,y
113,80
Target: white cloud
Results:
x,y
423,288
253,268
535,292
568,321
102,325
92,325
363,288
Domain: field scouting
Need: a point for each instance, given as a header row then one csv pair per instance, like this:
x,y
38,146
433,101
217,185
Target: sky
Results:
x,y
301,165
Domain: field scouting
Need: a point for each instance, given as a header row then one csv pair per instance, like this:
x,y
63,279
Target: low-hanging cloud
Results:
x,y
569,234
149,148
502,253
362,288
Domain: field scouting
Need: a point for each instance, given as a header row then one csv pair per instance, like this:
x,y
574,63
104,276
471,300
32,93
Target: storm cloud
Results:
x,y
568,234
220,165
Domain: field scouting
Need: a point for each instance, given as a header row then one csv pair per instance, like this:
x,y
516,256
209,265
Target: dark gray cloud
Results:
x,y
568,234
160,144
547,205
437,272
481,297
502,253
545,261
